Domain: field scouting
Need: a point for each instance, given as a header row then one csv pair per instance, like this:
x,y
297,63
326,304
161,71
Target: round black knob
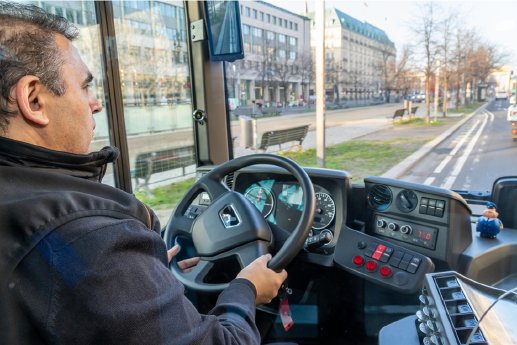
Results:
x,y
381,223
393,226
406,229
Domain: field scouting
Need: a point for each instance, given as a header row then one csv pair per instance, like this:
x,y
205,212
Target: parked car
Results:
x,y
416,97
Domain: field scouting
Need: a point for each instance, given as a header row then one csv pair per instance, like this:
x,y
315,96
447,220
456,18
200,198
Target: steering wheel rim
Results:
x,y
257,243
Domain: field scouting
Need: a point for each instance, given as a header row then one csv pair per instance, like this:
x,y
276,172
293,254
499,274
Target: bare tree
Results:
x,y
447,26
402,78
267,63
334,72
393,72
426,30
306,73
284,73
474,61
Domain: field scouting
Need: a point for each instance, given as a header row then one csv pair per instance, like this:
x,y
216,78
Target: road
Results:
x,y
474,156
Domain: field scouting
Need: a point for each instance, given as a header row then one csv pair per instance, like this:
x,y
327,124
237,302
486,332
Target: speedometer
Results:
x,y
262,199
325,211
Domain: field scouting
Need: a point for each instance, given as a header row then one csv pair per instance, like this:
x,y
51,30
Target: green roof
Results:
x,y
365,29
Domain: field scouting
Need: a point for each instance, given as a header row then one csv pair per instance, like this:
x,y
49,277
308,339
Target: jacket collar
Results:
x,y
90,166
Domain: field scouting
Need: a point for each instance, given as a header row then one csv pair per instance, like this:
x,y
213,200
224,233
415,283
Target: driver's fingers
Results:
x,y
188,263
172,252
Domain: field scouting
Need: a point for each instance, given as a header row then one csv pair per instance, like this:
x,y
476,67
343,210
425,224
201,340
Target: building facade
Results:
x,y
360,58
277,57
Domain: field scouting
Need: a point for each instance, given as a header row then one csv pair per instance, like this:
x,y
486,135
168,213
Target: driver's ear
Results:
x,y
30,98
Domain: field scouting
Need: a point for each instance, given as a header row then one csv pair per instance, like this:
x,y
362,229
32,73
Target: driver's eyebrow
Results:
x,y
88,78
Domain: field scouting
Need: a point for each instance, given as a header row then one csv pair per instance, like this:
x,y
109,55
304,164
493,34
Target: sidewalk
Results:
x,y
366,129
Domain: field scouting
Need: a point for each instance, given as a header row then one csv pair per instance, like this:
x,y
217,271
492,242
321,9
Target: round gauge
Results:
x,y
406,200
262,199
325,211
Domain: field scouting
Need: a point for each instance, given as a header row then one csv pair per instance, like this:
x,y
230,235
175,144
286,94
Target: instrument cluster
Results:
x,y
281,203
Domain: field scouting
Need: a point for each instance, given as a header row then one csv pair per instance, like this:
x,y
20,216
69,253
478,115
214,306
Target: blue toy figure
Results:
x,y
488,224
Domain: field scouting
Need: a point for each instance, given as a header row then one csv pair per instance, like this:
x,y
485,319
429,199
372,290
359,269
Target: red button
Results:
x,y
371,266
385,271
358,260
378,251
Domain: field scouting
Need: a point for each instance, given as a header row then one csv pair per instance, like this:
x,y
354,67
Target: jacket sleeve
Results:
x,y
112,286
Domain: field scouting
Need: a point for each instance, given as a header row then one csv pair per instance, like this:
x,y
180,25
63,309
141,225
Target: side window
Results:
x,y
83,15
156,90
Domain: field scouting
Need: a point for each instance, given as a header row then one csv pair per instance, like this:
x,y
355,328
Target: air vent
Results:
x,y
379,197
229,180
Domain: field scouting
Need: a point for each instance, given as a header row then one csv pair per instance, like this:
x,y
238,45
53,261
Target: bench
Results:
x,y
283,136
399,113
149,163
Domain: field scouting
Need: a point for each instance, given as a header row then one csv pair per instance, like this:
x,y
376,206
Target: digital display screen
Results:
x,y
424,237
292,194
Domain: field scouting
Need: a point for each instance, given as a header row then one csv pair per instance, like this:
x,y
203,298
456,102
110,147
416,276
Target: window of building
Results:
x,y
268,16
281,53
270,36
293,41
166,10
262,16
248,12
257,32
281,38
292,55
245,29
290,25
295,26
143,5
254,14
274,20
171,33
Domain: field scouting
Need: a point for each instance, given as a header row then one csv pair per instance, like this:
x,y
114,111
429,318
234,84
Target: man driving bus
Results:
x,y
83,262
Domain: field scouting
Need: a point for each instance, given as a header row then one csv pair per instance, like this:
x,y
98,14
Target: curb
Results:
x,y
401,168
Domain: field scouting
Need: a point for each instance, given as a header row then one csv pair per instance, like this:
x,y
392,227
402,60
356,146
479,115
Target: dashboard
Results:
x,y
417,217
387,231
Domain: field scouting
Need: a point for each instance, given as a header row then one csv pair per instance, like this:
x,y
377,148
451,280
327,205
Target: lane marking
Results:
x,y
463,159
455,150
491,115
429,181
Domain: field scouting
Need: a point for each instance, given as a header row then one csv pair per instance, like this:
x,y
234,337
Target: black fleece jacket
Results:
x,y
83,263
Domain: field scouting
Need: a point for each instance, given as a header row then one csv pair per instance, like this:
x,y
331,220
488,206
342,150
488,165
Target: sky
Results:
x,y
495,21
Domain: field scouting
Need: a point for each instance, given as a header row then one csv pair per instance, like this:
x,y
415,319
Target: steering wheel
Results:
x,y
231,226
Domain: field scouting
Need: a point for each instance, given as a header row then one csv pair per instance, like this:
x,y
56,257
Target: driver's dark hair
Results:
x,y
28,47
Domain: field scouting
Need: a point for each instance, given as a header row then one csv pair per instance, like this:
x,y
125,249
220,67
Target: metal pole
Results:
x,y
320,82
255,135
436,89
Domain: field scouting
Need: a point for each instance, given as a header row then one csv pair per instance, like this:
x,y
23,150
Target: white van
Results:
x,y
501,95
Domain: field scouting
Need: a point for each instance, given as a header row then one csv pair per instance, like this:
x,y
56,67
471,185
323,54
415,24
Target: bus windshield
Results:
x,y
402,116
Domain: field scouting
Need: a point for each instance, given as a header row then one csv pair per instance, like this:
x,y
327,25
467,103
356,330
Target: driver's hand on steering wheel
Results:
x,y
184,265
267,282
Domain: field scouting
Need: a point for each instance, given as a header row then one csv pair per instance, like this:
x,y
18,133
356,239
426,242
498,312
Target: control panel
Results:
x,y
445,316
406,231
381,262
